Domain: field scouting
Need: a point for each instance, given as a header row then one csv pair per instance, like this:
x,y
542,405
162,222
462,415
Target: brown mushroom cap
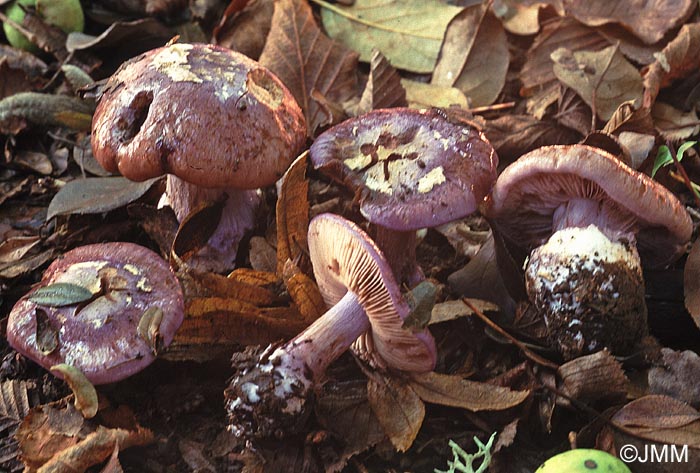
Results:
x,y
412,169
208,115
529,191
346,259
100,336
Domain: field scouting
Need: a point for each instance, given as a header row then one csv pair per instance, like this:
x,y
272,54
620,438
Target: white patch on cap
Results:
x,y
358,162
85,274
172,61
132,269
434,178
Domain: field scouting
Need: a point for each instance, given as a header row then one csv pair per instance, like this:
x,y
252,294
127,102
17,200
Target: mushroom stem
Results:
x,y
269,394
237,217
589,289
399,249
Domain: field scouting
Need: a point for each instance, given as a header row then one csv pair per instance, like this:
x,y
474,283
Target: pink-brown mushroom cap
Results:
x,y
208,115
528,192
412,169
346,259
100,337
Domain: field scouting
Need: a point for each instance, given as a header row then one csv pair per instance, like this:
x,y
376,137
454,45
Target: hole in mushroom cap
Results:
x,y
264,88
132,119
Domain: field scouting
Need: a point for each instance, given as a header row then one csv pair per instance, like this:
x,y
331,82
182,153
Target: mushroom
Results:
x,y
99,334
269,393
410,169
587,218
218,123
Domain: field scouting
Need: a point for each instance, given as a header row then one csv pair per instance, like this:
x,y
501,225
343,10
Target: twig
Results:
x,y
526,351
491,108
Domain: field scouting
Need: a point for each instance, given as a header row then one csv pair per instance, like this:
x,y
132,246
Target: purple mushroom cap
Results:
x,y
411,169
100,336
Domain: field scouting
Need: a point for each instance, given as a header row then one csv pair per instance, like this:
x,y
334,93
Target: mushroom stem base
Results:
x,y
589,290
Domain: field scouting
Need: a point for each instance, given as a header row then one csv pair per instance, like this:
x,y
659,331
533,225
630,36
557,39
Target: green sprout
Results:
x,y
463,462
664,158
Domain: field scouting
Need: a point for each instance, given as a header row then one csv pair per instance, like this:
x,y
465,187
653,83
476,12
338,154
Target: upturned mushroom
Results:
x,y
218,123
410,169
588,218
269,392
104,309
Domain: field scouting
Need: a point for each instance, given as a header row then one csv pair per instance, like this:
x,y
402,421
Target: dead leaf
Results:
x,y
513,135
409,33
454,391
305,60
96,195
647,20
674,124
293,213
25,265
83,391
451,310
262,255
661,419
246,31
594,377
124,38
196,229
113,465
304,292
691,282
627,117
424,95
522,17
474,56
14,248
604,79
398,408
537,73
342,407
12,80
678,59
383,88
193,454
14,406
677,376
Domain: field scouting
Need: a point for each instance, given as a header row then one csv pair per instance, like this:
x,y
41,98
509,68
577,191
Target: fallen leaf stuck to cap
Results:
x,y
85,394
149,328
292,213
60,294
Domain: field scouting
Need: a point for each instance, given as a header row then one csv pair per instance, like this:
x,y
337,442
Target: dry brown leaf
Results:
x,y
451,310
342,408
305,60
678,59
113,465
293,213
632,47
383,88
661,419
455,391
627,117
691,282
12,80
673,124
474,56
246,31
262,255
513,135
196,229
304,292
251,291
522,17
253,277
398,408
648,20
677,376
604,79
14,405
193,454
423,95
537,73
593,377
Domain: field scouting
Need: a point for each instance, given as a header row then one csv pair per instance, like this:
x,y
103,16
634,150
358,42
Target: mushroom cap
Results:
x,y
411,169
529,191
346,259
100,336
208,115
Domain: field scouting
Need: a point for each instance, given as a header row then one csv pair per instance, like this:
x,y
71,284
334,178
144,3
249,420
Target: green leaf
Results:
x,y
60,294
663,158
408,32
96,195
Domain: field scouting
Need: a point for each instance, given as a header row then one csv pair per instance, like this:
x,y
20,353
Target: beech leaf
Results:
x,y
408,32
422,95
398,408
691,283
383,89
96,195
454,391
678,59
292,213
306,60
648,20
474,56
604,79
674,124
